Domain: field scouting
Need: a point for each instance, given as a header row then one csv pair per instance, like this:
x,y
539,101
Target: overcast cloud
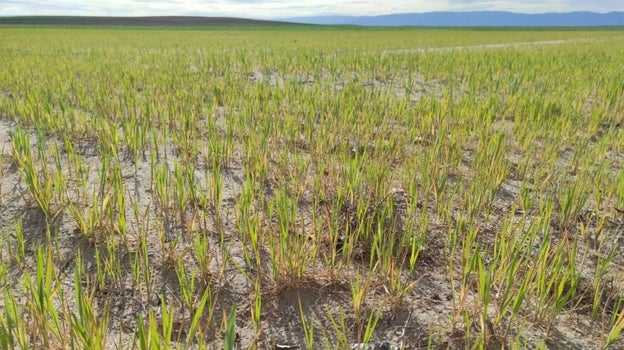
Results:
x,y
270,9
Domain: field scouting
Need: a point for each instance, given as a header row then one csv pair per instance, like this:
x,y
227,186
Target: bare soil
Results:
x,y
419,320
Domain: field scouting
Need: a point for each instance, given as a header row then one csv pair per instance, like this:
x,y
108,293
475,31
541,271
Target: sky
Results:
x,y
275,9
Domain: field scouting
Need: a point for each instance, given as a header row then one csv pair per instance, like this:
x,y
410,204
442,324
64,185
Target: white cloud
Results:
x,y
289,8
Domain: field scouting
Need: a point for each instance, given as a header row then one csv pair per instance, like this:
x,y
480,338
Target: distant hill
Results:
x,y
155,21
475,19
429,19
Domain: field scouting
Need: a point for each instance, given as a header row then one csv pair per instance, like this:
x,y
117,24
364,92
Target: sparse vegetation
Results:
x,y
312,187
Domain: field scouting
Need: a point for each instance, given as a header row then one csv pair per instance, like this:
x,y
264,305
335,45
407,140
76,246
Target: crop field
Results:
x,y
311,188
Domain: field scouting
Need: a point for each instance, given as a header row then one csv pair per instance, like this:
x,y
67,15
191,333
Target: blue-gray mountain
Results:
x,y
475,19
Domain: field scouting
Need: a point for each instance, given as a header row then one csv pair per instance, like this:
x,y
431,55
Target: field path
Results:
x,y
488,46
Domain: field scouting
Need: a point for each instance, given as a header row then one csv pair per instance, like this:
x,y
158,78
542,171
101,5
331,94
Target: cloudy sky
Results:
x,y
290,8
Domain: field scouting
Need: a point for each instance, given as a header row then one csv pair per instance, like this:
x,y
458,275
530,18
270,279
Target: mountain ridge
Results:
x,y
426,19
142,21
474,19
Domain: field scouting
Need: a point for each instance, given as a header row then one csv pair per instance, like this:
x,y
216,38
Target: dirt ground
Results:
x,y
419,320
423,318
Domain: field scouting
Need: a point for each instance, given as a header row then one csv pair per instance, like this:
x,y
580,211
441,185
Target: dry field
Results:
x,y
311,188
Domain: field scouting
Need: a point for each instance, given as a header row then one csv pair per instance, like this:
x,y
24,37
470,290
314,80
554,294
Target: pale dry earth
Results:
x,y
420,320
